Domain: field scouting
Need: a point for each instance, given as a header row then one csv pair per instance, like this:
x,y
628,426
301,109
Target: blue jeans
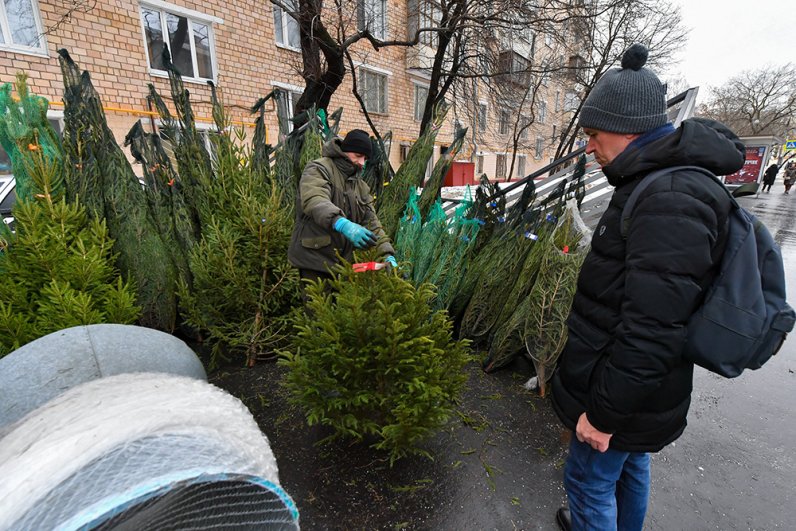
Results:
x,y
606,490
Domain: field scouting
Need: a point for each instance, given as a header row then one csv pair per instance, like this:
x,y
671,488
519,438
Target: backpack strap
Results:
x,y
627,210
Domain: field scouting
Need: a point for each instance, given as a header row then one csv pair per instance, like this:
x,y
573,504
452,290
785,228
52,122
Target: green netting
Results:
x,y
545,329
510,336
390,204
28,138
378,169
432,188
101,178
409,231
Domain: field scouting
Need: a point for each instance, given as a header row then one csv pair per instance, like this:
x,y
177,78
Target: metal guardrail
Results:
x,y
598,191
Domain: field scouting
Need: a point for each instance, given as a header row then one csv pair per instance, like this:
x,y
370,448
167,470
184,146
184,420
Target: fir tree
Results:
x,y
58,267
371,359
243,287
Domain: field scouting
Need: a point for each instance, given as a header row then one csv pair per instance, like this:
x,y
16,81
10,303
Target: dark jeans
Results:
x,y
606,491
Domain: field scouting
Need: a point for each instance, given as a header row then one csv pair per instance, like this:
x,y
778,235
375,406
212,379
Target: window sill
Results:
x,y
376,113
288,48
24,50
193,80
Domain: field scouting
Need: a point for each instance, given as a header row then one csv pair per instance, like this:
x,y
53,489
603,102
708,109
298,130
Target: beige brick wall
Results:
x,y
108,42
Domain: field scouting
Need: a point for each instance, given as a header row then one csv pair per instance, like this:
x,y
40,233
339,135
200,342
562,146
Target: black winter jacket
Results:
x,y
623,363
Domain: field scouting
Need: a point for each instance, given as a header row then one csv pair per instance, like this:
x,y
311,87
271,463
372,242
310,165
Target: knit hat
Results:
x,y
630,99
357,141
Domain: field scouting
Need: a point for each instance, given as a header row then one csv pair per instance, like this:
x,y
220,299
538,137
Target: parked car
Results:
x,y
7,198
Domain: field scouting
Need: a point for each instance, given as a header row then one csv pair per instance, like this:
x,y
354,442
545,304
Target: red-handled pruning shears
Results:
x,y
368,266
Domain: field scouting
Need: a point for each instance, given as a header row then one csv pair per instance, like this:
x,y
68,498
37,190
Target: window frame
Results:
x,y
429,15
284,25
192,16
539,151
504,117
363,19
417,87
482,116
521,159
498,158
41,50
292,91
374,71
542,111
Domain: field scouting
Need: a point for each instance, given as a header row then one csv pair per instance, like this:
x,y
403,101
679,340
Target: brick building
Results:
x,y
249,47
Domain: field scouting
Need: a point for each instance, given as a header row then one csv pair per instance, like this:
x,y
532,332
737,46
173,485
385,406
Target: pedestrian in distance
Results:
x,y
790,176
334,210
769,177
622,385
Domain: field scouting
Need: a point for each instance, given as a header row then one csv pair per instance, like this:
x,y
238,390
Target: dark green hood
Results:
x,y
333,150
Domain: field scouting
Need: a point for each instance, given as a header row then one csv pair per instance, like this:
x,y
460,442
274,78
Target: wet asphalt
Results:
x,y
498,464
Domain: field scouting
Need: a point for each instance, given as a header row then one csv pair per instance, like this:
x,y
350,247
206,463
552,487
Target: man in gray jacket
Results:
x,y
334,209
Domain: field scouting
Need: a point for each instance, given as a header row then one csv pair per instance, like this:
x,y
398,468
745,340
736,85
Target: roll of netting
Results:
x,y
142,451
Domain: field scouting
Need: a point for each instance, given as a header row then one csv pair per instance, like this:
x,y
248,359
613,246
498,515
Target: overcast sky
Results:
x,y
730,36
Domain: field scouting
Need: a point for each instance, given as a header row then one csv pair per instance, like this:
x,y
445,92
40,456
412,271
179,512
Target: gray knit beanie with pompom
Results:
x,y
630,99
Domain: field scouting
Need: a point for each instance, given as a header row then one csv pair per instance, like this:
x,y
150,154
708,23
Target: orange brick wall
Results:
x,y
108,42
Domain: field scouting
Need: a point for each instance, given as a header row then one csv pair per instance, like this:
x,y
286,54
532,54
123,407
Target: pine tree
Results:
x,y
243,287
58,267
371,359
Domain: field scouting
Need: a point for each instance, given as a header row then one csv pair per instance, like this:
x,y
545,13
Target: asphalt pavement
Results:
x,y
498,465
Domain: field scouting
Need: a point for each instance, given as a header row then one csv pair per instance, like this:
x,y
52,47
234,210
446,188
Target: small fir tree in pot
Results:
x,y
372,360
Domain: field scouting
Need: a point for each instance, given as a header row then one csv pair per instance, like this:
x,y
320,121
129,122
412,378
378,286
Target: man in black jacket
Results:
x,y
622,385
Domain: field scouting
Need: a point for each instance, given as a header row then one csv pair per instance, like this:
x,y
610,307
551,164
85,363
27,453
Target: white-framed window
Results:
x,y
521,165
482,116
570,102
557,105
479,165
21,29
524,121
403,152
372,14
286,104
188,35
542,112
539,147
373,88
286,28
553,136
503,122
429,16
421,95
500,165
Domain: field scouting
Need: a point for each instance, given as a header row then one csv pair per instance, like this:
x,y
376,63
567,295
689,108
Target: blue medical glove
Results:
x,y
391,262
361,237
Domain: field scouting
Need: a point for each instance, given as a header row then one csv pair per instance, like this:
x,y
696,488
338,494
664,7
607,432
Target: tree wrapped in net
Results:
x,y
390,203
25,134
98,173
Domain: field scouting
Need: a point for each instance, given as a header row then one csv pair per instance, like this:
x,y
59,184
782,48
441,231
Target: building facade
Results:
x,y
249,47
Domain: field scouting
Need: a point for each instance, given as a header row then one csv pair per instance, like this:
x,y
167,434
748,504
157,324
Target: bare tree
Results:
x,y
325,37
604,35
758,102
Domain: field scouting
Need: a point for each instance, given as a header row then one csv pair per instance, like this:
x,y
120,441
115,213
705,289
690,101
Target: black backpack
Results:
x,y
744,317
